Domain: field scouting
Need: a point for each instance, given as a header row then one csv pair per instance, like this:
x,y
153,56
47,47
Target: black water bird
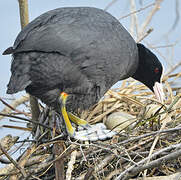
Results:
x,y
74,55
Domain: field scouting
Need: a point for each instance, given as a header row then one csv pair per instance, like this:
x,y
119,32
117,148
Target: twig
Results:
x,y
145,35
17,127
35,110
101,116
164,46
24,158
14,104
25,119
149,17
134,19
173,68
110,4
13,161
101,165
58,149
141,9
153,146
7,142
88,174
140,167
23,8
177,18
154,163
149,134
71,165
12,108
166,119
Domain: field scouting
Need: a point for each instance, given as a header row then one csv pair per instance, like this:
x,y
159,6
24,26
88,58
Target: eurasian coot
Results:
x,y
74,55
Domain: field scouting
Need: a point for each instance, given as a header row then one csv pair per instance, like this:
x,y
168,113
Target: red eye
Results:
x,y
156,70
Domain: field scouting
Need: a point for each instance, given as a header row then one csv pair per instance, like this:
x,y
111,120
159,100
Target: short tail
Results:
x,y
9,50
20,68
17,84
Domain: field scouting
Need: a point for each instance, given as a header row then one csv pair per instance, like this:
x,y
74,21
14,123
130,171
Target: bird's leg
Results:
x,y
90,132
69,115
78,121
70,129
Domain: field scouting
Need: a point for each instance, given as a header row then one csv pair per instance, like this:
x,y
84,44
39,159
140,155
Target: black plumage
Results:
x,y
82,51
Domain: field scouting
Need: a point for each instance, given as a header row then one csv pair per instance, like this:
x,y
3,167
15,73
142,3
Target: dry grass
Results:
x,y
151,147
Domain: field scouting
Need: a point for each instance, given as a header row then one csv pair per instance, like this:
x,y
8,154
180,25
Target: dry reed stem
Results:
x,y
7,142
14,162
71,165
149,17
136,11
110,4
14,104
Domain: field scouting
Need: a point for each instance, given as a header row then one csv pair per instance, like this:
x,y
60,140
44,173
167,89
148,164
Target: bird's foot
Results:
x,y
93,132
88,132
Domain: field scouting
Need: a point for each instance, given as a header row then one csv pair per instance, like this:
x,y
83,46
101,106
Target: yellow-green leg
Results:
x,y
77,120
90,132
70,129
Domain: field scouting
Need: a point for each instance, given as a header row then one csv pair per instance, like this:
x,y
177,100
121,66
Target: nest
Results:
x,y
147,146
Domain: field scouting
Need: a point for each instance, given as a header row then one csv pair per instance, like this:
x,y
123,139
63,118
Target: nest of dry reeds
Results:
x,y
149,146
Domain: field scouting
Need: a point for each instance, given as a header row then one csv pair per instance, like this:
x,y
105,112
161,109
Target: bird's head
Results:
x,y
149,71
